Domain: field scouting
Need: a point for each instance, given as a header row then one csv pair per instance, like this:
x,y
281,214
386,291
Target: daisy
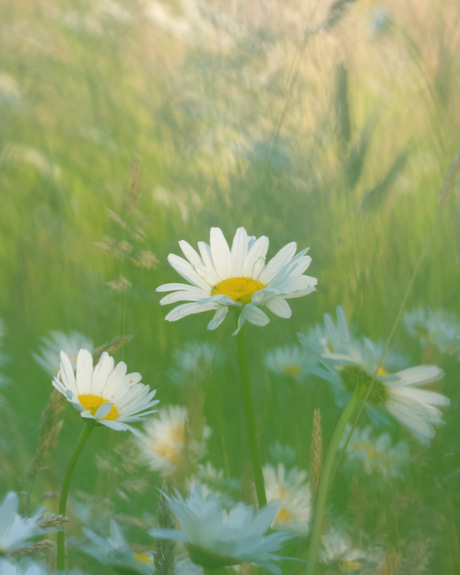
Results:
x,y
377,454
49,351
114,551
338,551
348,361
106,393
287,361
221,278
215,538
292,493
196,359
163,441
435,327
16,532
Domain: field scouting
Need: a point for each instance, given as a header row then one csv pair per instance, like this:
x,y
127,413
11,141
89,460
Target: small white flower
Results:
x,y
215,538
292,493
49,351
221,278
16,532
114,551
348,360
338,551
436,327
378,455
162,443
196,359
287,361
106,393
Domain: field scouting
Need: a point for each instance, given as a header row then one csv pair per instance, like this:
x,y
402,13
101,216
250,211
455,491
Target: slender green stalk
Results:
x,y
326,476
250,420
61,555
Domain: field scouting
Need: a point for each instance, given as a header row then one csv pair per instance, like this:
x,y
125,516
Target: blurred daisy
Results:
x,y
221,278
338,552
280,453
215,538
378,455
16,532
7,568
436,327
348,361
49,351
196,359
106,393
163,442
114,551
286,361
212,480
292,492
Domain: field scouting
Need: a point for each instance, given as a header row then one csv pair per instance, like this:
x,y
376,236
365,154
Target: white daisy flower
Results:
x,y
377,454
287,361
16,532
215,538
114,551
221,278
49,351
106,393
163,441
338,551
196,359
436,327
292,492
348,361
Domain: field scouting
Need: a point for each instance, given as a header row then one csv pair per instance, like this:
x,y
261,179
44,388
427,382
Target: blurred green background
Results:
x,y
329,124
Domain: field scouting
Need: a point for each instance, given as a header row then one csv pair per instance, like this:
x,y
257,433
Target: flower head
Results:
x,y
221,278
349,361
215,538
163,442
292,492
106,393
339,552
435,327
114,551
16,532
49,352
286,361
195,360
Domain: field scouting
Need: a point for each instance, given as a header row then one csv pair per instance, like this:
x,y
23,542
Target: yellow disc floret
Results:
x,y
292,370
239,289
92,403
283,516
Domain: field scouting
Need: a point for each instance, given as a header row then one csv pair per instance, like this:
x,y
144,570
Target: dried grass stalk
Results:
x,y
164,550
316,454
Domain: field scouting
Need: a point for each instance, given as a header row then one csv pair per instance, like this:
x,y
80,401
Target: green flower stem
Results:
x,y
326,477
250,420
61,555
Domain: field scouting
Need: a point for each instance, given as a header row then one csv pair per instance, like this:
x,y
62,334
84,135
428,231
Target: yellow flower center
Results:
x,y
283,516
171,447
292,370
92,403
369,449
350,565
239,289
381,371
143,558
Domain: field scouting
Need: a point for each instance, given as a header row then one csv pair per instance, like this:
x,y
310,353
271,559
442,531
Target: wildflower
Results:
x,y
292,493
348,362
50,347
114,551
196,359
338,551
435,327
216,539
163,442
106,393
286,361
16,532
222,278
378,455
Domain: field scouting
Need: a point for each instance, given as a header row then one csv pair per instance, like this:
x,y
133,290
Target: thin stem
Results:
x,y
250,420
61,555
326,476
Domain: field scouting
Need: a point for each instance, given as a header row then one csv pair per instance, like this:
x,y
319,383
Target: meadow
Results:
x,y
127,127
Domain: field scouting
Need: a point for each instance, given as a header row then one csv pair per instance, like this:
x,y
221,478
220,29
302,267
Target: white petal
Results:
x,y
186,270
84,372
284,255
220,253
103,410
218,318
190,254
279,307
189,309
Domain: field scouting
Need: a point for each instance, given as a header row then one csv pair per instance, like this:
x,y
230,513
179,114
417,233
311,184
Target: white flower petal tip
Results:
x,y
221,277
105,392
